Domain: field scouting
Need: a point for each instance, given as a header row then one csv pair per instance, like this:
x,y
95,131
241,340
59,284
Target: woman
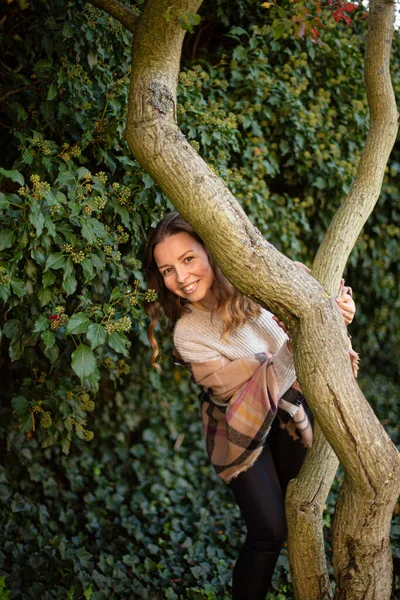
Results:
x,y
240,354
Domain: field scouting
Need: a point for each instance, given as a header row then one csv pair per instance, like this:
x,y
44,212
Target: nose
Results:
x,y
181,275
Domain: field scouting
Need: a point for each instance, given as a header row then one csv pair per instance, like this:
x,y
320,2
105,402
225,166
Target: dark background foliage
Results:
x,y
106,490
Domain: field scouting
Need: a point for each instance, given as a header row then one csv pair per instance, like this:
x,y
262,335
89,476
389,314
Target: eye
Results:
x,y
166,271
189,258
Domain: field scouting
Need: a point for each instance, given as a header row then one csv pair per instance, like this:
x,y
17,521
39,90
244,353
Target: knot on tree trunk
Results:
x,y
161,97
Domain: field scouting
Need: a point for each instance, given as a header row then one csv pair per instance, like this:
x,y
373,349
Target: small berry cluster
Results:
x,y
55,210
77,256
124,194
39,188
45,416
86,403
122,235
118,326
102,177
41,146
86,434
75,71
46,420
110,254
150,296
4,277
100,202
117,368
67,151
58,319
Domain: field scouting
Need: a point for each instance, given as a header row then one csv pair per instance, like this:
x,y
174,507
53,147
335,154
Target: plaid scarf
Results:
x,y
239,407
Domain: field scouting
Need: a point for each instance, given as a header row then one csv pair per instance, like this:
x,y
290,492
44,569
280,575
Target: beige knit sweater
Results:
x,y
197,338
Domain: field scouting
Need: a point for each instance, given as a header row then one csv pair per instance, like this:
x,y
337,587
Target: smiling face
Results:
x,y
185,269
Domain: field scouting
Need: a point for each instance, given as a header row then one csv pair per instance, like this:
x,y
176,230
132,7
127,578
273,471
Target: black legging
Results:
x,y
260,494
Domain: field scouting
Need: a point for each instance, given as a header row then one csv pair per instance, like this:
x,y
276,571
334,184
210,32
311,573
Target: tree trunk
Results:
x,y
307,495
305,501
369,458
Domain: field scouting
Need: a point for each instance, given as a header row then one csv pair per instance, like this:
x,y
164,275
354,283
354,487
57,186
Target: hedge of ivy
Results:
x,y
106,491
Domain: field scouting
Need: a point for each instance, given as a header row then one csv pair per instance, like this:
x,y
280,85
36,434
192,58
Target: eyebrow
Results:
x,y
179,258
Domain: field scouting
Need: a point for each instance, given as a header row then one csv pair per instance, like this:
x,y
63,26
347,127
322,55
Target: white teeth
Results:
x,y
189,288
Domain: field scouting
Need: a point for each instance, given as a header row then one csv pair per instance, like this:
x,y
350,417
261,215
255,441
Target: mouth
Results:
x,y
188,289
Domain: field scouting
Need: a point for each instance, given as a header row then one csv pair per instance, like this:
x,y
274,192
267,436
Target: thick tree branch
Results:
x,y
305,502
119,11
303,515
360,202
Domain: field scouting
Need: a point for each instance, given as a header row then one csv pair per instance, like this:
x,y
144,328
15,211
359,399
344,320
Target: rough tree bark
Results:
x,y
362,556
307,494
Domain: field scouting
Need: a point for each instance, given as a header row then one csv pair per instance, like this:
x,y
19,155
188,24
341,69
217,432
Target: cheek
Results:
x,y
208,273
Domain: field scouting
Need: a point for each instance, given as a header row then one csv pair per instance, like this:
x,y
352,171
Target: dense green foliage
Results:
x,y
102,496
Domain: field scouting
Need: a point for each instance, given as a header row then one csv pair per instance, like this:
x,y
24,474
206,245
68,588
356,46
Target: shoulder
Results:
x,y
193,325
195,337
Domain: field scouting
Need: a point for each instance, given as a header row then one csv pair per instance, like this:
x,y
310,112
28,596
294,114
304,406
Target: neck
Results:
x,y
207,304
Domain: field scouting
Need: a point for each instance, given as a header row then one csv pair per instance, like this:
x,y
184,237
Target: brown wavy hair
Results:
x,y
233,308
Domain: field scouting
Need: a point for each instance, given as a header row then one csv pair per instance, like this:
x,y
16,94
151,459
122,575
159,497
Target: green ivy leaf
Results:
x,y
278,29
29,339
18,287
7,239
319,183
48,338
36,218
88,270
4,292
13,329
52,93
96,335
78,323
188,20
55,261
94,379
52,353
20,405
68,267
38,256
4,203
119,342
13,175
51,228
16,350
41,324
45,295
123,212
83,361
116,293
26,424
93,230
69,284
98,262
48,279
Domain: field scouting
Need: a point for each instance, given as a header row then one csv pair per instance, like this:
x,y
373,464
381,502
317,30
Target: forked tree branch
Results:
x,y
119,11
384,117
307,494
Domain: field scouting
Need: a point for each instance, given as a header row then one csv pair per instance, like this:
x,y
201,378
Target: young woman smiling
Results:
x,y
242,357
